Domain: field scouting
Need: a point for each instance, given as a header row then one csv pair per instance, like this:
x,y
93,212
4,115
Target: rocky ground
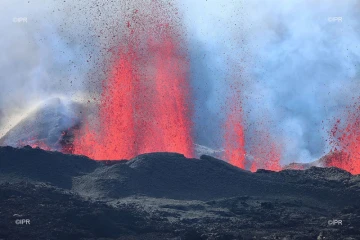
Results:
x,y
167,196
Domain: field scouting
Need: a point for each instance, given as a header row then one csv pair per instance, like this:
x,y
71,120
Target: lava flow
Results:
x,y
144,105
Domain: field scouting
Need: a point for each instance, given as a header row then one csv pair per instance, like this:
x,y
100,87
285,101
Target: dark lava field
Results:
x,y
168,196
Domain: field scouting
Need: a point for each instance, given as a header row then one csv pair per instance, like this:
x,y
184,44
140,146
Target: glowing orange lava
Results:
x,y
144,105
266,153
235,140
346,140
34,143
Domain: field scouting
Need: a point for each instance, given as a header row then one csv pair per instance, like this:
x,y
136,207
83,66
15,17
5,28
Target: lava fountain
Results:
x,y
346,142
266,152
234,138
144,104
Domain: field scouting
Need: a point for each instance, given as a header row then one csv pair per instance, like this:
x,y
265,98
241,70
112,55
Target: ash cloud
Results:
x,y
298,70
64,49
42,57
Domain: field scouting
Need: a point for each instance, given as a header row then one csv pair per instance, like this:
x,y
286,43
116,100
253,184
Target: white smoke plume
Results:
x,y
299,67
296,69
40,58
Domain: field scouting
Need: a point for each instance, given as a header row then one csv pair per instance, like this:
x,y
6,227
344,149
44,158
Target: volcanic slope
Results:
x,y
50,125
165,195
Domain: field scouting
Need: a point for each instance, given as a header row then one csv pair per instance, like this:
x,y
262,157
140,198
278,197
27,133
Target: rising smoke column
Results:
x,y
303,69
303,75
42,58
144,102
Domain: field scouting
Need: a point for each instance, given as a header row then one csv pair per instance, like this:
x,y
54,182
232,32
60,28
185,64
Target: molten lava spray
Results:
x,y
235,139
266,153
346,142
262,149
144,105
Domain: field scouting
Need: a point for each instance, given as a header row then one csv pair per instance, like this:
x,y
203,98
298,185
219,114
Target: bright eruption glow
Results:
x,y
144,104
346,141
235,139
266,153
34,142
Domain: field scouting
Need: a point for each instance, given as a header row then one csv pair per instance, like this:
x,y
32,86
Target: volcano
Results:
x,y
177,120
54,124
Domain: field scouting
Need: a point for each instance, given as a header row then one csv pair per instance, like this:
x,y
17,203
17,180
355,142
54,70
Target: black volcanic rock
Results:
x,y
37,165
165,175
171,175
168,196
55,214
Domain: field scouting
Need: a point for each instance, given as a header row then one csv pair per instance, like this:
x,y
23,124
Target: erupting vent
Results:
x,y
144,103
235,139
346,139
